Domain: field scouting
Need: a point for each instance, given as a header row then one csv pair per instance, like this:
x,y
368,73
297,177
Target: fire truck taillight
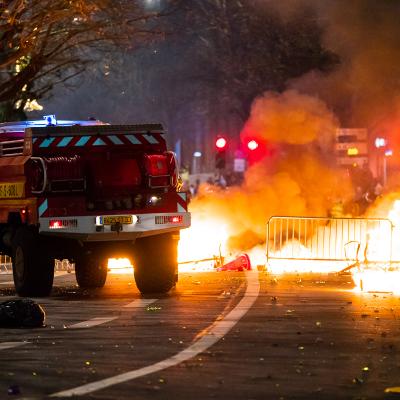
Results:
x,y
55,224
168,219
63,223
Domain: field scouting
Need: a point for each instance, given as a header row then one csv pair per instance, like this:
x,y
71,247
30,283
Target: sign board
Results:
x,y
11,190
239,165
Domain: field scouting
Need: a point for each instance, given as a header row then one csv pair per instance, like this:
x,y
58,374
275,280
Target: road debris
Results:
x,y
153,308
241,263
21,313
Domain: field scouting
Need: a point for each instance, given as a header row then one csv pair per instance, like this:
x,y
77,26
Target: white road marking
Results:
x,y
91,322
10,345
140,303
103,320
214,333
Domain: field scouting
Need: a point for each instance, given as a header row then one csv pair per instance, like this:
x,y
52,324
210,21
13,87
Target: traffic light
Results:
x,y
255,149
220,155
252,145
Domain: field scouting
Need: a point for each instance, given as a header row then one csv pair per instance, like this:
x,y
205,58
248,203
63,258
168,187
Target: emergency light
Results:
x,y
51,120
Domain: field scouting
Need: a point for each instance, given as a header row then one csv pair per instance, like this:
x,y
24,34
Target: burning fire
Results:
x,y
199,246
374,260
384,277
119,266
202,243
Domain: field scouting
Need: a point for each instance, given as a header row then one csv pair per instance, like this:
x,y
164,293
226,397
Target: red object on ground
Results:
x,y
241,263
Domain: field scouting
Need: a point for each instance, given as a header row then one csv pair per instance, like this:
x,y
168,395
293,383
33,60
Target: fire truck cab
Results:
x,y
88,191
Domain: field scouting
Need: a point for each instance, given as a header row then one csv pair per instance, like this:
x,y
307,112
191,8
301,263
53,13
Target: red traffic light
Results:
x,y
252,145
220,143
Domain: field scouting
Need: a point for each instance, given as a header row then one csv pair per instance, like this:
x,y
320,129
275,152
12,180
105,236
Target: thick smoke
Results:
x,y
298,185
365,34
363,91
291,118
297,180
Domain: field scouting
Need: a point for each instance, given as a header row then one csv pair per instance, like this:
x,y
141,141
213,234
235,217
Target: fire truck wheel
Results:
x,y
33,268
155,263
90,269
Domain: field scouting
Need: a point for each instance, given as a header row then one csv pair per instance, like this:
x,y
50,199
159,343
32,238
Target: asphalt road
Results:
x,y
219,335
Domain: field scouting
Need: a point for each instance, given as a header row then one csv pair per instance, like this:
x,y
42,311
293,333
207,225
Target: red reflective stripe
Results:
x,y
181,202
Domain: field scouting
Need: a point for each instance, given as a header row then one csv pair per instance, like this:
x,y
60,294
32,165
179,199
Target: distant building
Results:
x,y
351,147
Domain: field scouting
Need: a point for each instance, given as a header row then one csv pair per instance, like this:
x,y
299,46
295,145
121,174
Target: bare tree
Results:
x,y
245,49
44,43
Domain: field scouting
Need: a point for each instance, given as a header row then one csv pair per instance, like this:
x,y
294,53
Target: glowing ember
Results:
x,y
119,266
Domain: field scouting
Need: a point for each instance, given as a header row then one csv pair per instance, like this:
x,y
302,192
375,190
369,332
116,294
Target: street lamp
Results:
x,y
196,162
380,142
152,4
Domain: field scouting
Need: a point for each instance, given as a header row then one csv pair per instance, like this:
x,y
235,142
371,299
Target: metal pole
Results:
x,y
384,170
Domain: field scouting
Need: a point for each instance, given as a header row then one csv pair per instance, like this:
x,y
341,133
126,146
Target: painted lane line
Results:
x,y
214,333
10,345
140,303
92,322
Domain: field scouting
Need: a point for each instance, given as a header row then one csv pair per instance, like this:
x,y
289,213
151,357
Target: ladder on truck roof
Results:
x,y
97,129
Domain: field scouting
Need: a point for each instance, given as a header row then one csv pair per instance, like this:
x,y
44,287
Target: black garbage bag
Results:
x,y
21,313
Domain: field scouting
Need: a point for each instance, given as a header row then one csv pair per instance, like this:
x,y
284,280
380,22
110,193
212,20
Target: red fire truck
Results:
x,y
87,191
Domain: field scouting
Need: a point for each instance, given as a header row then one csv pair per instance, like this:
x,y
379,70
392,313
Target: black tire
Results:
x,y
90,269
33,268
155,263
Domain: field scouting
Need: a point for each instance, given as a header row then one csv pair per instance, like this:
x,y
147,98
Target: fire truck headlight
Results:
x,y
154,200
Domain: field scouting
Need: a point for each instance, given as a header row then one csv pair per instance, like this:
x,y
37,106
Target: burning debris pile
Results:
x,y
298,180
299,176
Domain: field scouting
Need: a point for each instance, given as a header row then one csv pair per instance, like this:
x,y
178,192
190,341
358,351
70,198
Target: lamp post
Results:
x,y
388,153
383,153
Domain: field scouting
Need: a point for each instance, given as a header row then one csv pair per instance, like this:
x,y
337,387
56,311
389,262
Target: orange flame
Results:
x,y
119,266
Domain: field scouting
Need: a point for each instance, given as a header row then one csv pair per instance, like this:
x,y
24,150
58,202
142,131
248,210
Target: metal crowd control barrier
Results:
x,y
5,263
60,265
345,240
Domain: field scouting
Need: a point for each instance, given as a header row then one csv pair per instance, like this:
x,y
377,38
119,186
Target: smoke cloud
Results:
x,y
296,179
298,185
364,89
291,118
363,92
